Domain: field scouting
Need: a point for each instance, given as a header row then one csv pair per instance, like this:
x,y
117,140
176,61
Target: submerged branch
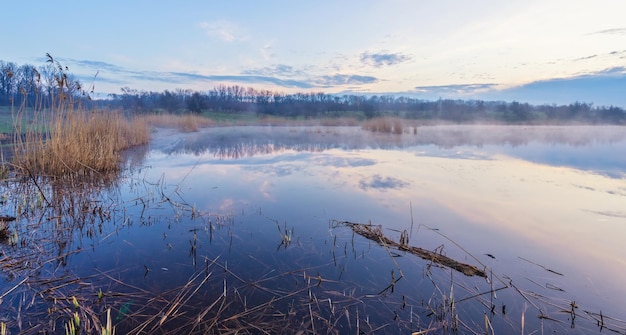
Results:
x,y
375,233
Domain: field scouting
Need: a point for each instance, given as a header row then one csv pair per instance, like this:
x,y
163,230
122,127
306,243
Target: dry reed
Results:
x,y
77,142
186,123
64,138
390,125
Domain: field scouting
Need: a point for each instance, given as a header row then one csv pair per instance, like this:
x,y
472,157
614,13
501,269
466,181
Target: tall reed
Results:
x,y
78,142
66,138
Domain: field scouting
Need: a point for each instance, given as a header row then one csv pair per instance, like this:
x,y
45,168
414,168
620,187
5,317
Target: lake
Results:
x,y
331,230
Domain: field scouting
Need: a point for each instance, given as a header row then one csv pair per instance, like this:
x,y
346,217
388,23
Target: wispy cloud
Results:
x,y
100,79
383,58
613,31
96,65
303,78
84,63
182,78
267,51
93,71
280,75
617,70
344,79
585,58
382,183
223,30
604,87
282,70
459,89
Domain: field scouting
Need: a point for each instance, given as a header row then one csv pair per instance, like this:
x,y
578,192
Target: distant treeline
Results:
x,y
238,99
37,85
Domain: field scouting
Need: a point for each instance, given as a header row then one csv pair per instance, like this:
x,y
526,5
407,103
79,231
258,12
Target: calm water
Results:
x,y
241,219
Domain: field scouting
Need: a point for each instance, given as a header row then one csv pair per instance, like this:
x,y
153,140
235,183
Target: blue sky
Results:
x,y
540,51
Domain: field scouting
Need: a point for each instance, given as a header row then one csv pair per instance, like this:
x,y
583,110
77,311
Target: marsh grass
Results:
x,y
65,137
391,125
77,142
185,122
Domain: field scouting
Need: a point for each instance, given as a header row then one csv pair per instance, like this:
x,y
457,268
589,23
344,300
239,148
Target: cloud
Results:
x,y
343,79
613,31
95,65
93,71
602,88
618,53
612,71
84,63
183,77
223,30
382,183
383,58
342,162
459,89
585,58
100,79
281,75
276,70
306,81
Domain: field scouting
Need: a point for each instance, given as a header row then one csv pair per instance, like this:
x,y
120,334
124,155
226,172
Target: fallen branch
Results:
x,y
375,233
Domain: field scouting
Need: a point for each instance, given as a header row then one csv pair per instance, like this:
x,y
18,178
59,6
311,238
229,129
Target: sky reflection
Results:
x,y
267,221
555,197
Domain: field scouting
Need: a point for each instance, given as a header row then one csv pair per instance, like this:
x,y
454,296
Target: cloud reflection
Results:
x,y
582,147
382,183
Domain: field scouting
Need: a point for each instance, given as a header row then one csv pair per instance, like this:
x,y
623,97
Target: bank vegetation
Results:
x,y
57,135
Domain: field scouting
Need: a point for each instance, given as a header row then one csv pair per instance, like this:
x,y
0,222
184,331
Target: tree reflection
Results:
x,y
242,142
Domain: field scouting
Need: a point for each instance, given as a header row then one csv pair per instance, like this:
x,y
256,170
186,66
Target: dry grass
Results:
x,y
66,138
339,121
185,123
77,142
392,125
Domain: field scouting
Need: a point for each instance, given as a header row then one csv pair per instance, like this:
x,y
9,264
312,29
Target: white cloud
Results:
x,y
267,51
223,30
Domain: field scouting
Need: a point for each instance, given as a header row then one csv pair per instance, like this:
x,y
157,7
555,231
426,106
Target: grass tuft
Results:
x,y
391,125
185,123
58,136
77,142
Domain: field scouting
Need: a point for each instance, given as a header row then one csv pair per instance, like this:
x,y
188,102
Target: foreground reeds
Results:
x,y
294,289
58,135
77,142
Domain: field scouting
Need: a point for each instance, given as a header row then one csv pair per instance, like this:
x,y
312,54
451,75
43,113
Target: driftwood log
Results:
x,y
375,233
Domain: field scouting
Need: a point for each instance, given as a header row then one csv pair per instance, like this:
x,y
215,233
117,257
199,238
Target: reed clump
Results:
x,y
185,123
390,125
57,135
77,142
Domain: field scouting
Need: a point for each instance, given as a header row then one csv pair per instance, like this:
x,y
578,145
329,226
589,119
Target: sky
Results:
x,y
537,51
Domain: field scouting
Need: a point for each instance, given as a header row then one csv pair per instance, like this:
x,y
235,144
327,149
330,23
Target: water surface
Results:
x,y
250,217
